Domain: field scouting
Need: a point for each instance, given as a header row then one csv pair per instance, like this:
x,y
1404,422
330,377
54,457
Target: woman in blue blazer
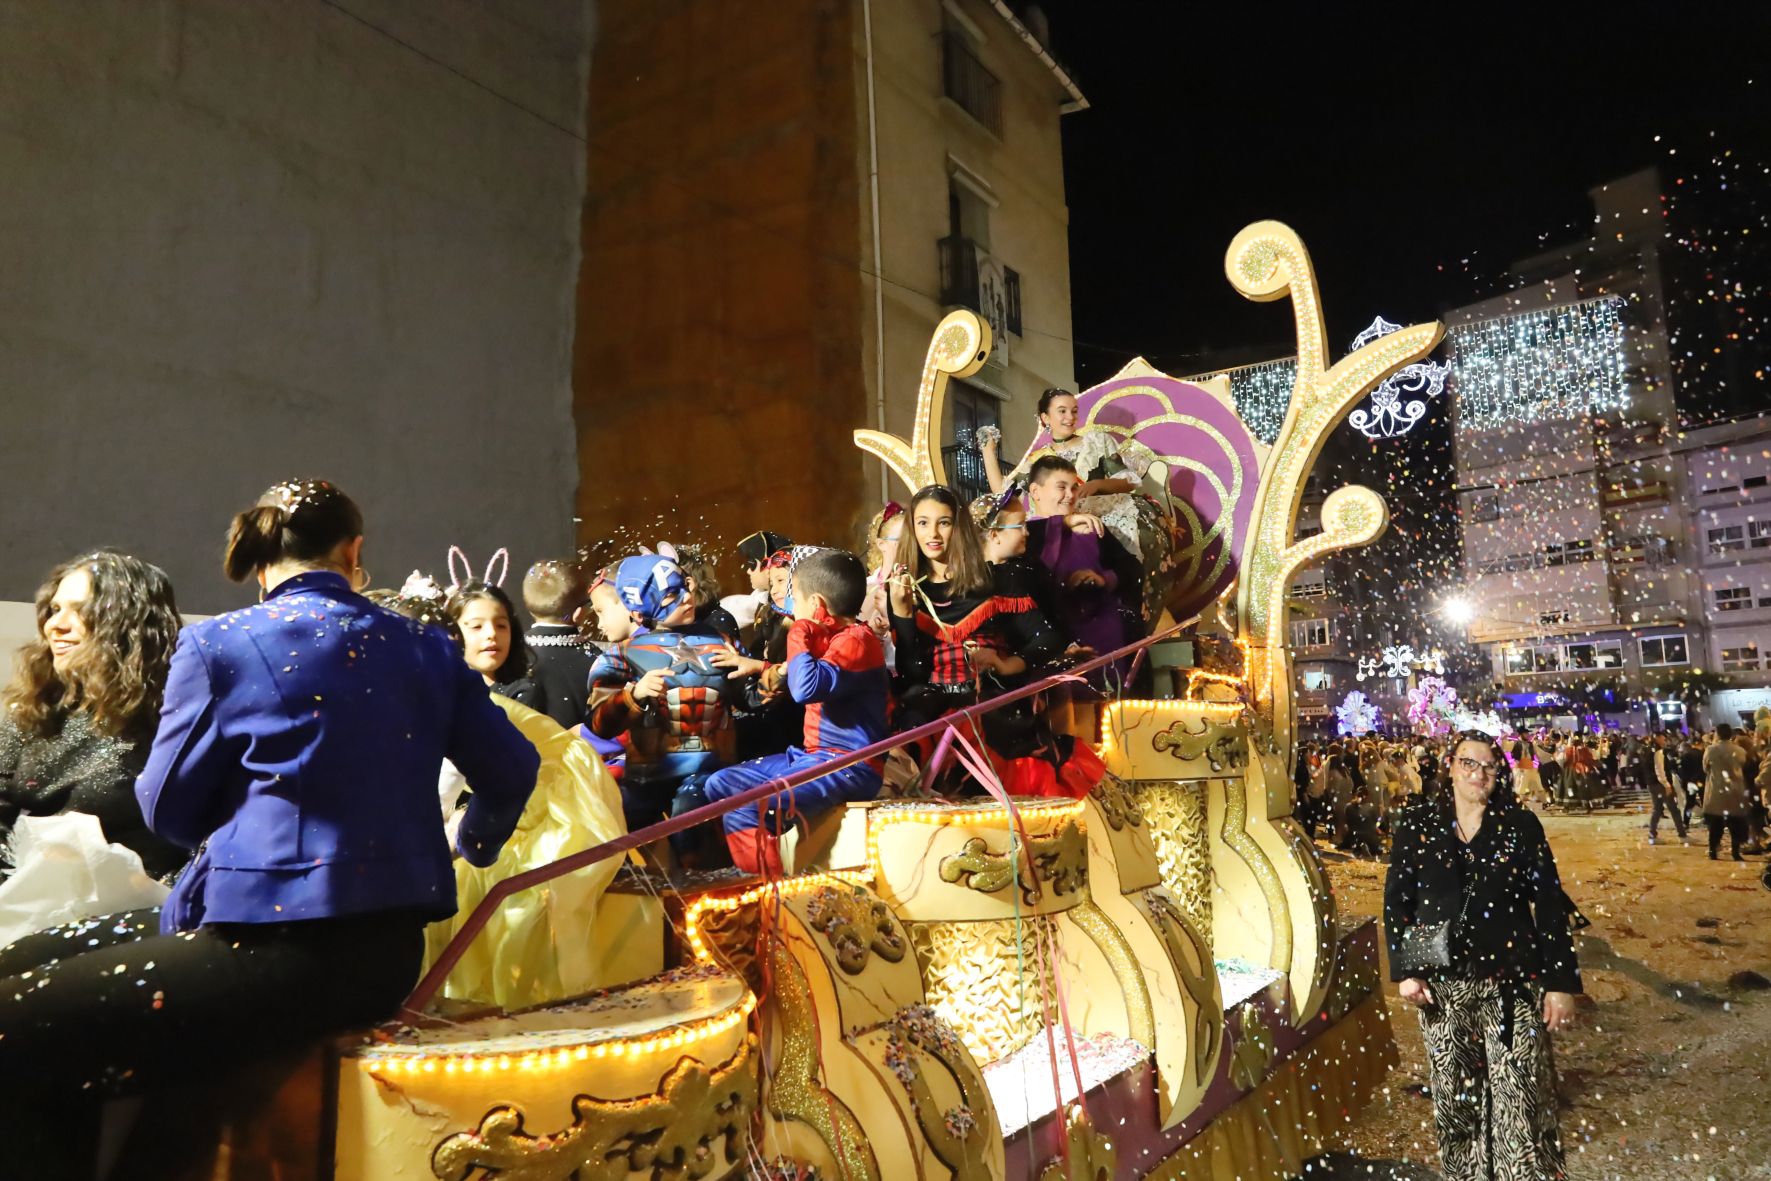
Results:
x,y
297,755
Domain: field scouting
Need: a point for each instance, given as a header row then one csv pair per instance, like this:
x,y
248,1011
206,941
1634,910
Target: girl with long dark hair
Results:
x,y
951,624
82,705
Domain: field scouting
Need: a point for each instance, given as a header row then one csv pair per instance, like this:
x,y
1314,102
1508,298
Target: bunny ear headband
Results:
x,y
458,578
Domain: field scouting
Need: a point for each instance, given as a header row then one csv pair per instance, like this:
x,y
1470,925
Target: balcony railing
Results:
x,y
974,89
965,470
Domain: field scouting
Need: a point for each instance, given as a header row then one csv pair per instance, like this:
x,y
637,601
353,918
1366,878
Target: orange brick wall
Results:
x,y
718,369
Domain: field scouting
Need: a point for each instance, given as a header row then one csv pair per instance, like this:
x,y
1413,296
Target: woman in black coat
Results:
x,y
1478,934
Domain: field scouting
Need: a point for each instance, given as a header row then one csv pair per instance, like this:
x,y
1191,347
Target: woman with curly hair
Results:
x,y
81,710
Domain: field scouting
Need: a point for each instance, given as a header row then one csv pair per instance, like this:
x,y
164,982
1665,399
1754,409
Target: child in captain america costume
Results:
x,y
836,668
659,692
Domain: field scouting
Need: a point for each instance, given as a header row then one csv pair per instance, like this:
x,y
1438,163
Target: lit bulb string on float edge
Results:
x,y
413,1008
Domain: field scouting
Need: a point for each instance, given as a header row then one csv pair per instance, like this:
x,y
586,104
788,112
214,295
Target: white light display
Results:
x,y
1561,363
1400,400
1262,394
1356,715
1399,661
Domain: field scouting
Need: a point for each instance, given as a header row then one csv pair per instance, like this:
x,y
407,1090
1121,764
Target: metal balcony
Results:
x,y
973,89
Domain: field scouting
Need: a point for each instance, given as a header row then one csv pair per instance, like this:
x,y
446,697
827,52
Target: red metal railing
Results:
x,y
439,971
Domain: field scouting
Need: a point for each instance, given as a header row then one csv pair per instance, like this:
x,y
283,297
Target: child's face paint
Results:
x,y
934,530
1007,538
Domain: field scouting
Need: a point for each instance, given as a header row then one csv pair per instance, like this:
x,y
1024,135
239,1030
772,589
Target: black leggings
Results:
x,y
110,1006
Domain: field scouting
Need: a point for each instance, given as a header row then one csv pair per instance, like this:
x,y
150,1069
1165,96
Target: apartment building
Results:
x,y
1729,473
784,199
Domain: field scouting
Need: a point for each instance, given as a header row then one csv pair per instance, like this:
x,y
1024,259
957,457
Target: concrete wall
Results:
x,y
250,239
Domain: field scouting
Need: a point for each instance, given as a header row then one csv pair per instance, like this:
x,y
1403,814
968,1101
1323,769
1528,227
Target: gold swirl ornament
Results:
x,y
959,347
1267,261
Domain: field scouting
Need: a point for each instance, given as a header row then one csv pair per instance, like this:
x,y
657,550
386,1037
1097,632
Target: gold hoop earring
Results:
x,y
360,581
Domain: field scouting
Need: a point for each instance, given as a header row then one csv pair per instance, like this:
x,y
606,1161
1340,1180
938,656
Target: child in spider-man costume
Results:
x,y
659,692
836,668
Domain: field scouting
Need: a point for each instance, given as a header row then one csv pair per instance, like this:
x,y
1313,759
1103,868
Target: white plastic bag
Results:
x,y
65,871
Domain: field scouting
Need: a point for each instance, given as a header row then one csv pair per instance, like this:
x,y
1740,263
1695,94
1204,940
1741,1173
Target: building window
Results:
x,y
1753,482
1664,650
1553,618
1740,659
1011,287
972,409
1758,533
1582,657
1518,661
1311,584
1733,598
1726,538
1309,633
1318,679
1548,660
1485,506
974,89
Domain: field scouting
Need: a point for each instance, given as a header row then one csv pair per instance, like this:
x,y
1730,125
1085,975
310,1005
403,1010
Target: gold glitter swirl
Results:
x,y
958,348
794,1091
697,1115
1116,949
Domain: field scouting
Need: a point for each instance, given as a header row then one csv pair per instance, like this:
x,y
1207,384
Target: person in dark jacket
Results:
x,y
1478,861
298,750
556,594
80,712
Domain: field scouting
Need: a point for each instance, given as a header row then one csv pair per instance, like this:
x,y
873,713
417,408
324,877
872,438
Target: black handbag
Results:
x,y
1426,947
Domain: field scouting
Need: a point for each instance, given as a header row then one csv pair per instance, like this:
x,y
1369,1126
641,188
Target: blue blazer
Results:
x,y
299,748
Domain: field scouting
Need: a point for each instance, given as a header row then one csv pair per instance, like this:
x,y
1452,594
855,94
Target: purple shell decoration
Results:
x,y
1214,473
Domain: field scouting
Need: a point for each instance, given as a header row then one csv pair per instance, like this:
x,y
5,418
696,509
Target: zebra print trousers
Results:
x,y
1494,1103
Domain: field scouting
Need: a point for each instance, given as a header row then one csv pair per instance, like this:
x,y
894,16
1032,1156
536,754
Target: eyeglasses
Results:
x,y
1475,766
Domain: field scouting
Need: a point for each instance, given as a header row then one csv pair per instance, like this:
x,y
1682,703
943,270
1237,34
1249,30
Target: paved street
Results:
x,y
1667,1076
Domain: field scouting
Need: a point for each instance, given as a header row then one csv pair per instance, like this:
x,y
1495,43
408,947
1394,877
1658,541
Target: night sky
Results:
x,y
1416,157
1417,160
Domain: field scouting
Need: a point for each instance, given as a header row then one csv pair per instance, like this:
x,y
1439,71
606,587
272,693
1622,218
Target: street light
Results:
x,y
1457,611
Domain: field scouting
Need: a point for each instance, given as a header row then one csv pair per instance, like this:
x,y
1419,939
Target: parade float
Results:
x,y
1149,982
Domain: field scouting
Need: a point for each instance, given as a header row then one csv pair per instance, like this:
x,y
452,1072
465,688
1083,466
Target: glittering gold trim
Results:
x,y
1267,261
960,344
854,924
695,1116
1235,834
1092,921
971,975
1089,1155
794,1091
1059,860
1179,937
1177,821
